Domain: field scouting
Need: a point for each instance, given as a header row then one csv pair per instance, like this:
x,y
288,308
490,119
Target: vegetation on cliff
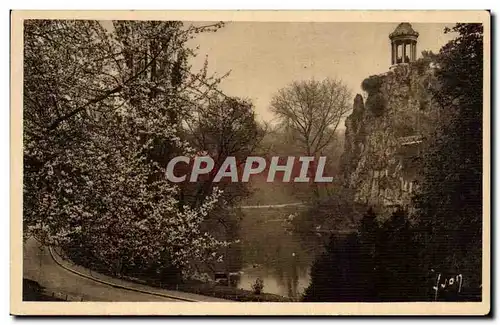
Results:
x,y
398,104
403,259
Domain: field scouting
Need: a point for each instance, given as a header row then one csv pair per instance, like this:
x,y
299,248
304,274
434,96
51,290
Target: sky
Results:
x,y
266,56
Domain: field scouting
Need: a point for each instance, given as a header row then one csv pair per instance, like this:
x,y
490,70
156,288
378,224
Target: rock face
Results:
x,y
385,135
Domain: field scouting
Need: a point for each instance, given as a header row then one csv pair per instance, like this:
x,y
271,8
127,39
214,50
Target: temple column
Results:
x,y
394,53
404,52
399,51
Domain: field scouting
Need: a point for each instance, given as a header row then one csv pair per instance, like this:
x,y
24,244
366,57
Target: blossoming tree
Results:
x,y
104,106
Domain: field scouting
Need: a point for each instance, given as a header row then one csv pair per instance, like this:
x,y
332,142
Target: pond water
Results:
x,y
271,252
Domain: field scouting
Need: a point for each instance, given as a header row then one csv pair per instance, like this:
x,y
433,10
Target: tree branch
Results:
x,y
102,97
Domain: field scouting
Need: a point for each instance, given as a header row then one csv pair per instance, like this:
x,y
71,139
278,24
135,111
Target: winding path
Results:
x,y
77,283
80,284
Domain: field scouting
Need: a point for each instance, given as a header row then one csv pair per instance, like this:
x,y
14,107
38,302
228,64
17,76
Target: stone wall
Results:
x,y
385,135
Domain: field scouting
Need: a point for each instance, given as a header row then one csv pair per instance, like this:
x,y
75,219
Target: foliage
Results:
x,y
376,264
227,127
335,212
382,262
33,291
99,102
258,286
423,63
372,84
375,103
450,204
335,275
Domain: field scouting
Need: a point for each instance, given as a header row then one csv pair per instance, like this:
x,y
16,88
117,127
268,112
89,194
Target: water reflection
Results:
x,y
273,254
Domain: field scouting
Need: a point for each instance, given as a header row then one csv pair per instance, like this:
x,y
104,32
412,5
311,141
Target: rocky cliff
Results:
x,y
385,135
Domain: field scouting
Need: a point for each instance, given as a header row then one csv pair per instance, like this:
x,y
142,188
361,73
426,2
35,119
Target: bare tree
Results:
x,y
311,111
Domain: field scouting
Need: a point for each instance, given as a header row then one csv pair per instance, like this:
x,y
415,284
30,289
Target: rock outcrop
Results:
x,y
385,135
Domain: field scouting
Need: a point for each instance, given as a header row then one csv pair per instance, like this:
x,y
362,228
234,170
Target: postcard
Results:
x,y
250,163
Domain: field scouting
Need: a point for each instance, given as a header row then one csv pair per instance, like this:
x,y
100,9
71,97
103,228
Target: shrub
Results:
x,y
372,84
375,103
337,211
258,286
378,263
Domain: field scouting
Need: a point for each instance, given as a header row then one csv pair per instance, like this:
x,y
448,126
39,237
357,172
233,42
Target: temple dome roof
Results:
x,y
403,29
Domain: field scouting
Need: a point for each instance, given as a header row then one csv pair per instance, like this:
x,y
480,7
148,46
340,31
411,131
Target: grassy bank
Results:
x,y
217,291
231,293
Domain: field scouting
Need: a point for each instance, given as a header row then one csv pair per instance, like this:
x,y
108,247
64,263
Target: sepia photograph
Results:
x,y
332,162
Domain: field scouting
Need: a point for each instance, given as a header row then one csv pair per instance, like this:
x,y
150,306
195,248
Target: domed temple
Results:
x,y
403,44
